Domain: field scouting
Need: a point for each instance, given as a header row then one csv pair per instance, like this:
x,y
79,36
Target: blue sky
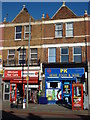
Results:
x,y
36,9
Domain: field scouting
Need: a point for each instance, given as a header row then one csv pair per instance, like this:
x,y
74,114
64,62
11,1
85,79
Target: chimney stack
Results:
x,y
47,16
4,20
85,13
43,16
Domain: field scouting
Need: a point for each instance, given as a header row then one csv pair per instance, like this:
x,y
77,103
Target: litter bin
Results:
x,y
43,100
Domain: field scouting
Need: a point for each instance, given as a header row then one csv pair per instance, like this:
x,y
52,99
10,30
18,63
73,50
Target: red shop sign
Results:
x,y
12,73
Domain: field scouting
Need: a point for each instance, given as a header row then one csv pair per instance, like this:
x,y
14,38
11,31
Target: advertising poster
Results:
x,y
49,94
77,102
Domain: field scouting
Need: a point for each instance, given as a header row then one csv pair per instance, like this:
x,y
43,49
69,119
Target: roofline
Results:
x,y
60,8
17,15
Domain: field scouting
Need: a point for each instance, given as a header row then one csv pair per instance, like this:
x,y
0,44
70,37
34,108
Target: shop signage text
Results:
x,y
64,72
12,73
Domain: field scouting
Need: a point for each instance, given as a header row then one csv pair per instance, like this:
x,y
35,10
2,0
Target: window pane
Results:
x,y
6,96
64,50
64,58
21,61
26,35
58,33
18,36
26,28
7,86
52,52
34,56
69,26
34,50
11,51
23,50
77,58
69,33
18,28
21,57
77,50
58,26
52,59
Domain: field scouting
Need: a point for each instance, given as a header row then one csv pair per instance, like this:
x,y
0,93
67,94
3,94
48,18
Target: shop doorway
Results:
x,y
20,90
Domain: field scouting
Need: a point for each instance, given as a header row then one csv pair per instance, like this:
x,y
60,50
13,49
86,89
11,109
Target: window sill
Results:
x,y
17,39
58,37
69,37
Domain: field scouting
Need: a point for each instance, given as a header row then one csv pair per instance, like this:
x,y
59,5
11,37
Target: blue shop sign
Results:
x,y
63,72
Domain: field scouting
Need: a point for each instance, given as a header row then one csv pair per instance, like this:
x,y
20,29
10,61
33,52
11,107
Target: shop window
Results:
x,y
66,89
18,32
58,30
51,55
64,55
77,91
26,32
77,54
69,29
33,56
11,57
22,56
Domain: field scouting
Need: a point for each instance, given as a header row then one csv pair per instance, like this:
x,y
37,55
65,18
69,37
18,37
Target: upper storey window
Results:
x,y
64,55
51,55
58,30
77,54
69,29
26,32
11,56
18,32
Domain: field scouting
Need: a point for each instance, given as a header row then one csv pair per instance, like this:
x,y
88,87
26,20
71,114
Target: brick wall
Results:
x,y
45,34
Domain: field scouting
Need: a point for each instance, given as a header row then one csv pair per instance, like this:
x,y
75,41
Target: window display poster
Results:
x,y
77,102
53,94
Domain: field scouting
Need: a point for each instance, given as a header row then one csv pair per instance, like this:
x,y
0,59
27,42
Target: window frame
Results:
x,y
51,56
26,32
10,54
69,29
77,54
64,55
33,54
60,30
22,55
18,33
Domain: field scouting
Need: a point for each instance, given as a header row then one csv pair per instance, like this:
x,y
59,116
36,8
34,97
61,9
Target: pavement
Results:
x,y
41,112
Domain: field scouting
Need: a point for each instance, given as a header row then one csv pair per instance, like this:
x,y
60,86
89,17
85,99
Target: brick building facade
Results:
x,y
58,42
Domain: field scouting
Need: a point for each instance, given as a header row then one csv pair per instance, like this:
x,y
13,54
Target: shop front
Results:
x,y
15,85
58,83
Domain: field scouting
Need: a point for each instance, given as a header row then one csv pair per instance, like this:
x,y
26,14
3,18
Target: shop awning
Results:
x,y
20,80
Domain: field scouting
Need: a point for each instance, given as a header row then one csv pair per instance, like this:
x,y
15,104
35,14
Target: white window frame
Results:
x,y
25,32
10,54
53,56
33,54
18,33
21,54
70,29
77,54
64,54
61,30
